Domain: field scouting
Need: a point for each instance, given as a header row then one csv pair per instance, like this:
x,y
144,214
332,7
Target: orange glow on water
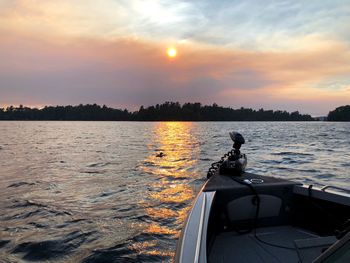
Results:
x,y
172,193
161,212
154,228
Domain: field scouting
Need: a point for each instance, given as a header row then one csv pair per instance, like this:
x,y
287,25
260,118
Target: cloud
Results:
x,y
129,72
255,25
288,55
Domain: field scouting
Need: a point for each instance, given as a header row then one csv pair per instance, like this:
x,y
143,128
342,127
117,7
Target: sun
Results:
x,y
172,52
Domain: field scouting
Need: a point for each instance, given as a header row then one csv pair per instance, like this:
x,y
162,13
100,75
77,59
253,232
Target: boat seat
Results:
x,y
310,248
270,206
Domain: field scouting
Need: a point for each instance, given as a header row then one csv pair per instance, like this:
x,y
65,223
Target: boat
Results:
x,y
244,217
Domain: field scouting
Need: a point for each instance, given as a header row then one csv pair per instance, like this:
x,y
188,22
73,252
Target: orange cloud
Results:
x,y
128,71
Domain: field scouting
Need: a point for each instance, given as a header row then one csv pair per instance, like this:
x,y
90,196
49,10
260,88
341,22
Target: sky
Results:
x,y
288,55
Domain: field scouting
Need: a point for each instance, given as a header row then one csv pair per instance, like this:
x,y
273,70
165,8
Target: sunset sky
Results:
x,y
290,55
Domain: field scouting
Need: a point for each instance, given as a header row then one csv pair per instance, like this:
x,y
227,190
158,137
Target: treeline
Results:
x,y
168,111
340,114
89,112
197,112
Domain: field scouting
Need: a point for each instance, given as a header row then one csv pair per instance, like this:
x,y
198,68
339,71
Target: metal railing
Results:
x,y
324,188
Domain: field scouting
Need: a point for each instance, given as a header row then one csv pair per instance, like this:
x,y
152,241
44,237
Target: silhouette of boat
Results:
x,y
244,217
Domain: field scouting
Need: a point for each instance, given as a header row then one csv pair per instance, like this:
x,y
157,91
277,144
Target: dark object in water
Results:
x,y
252,218
20,184
161,154
4,243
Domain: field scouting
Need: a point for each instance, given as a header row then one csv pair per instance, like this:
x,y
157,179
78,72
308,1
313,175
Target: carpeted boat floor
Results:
x,y
234,247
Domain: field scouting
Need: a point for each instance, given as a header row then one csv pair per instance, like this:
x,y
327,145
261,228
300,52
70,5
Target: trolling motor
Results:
x,y
233,162
236,162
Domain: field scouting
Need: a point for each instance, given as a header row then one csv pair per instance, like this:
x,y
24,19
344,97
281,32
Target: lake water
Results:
x,y
96,192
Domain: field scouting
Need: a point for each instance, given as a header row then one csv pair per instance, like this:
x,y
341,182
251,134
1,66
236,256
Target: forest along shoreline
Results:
x,y
168,111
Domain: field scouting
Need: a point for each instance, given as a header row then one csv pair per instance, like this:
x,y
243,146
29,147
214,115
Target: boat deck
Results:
x,y
304,246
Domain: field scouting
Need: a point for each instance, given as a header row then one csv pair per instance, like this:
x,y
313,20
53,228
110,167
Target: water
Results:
x,y
97,192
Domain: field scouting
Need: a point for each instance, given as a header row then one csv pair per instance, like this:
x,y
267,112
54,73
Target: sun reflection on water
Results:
x,y
171,192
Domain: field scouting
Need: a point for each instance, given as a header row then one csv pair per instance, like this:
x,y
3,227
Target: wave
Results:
x,y
53,249
293,154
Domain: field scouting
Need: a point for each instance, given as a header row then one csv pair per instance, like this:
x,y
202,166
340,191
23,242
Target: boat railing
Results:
x,y
336,194
324,188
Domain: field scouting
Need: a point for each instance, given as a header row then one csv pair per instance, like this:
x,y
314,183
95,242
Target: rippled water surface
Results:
x,y
97,192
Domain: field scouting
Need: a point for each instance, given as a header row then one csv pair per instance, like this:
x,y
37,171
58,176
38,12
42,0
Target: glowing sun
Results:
x,y
171,51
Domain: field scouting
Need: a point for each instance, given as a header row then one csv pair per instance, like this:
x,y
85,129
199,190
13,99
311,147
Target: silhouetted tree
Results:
x,y
340,114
